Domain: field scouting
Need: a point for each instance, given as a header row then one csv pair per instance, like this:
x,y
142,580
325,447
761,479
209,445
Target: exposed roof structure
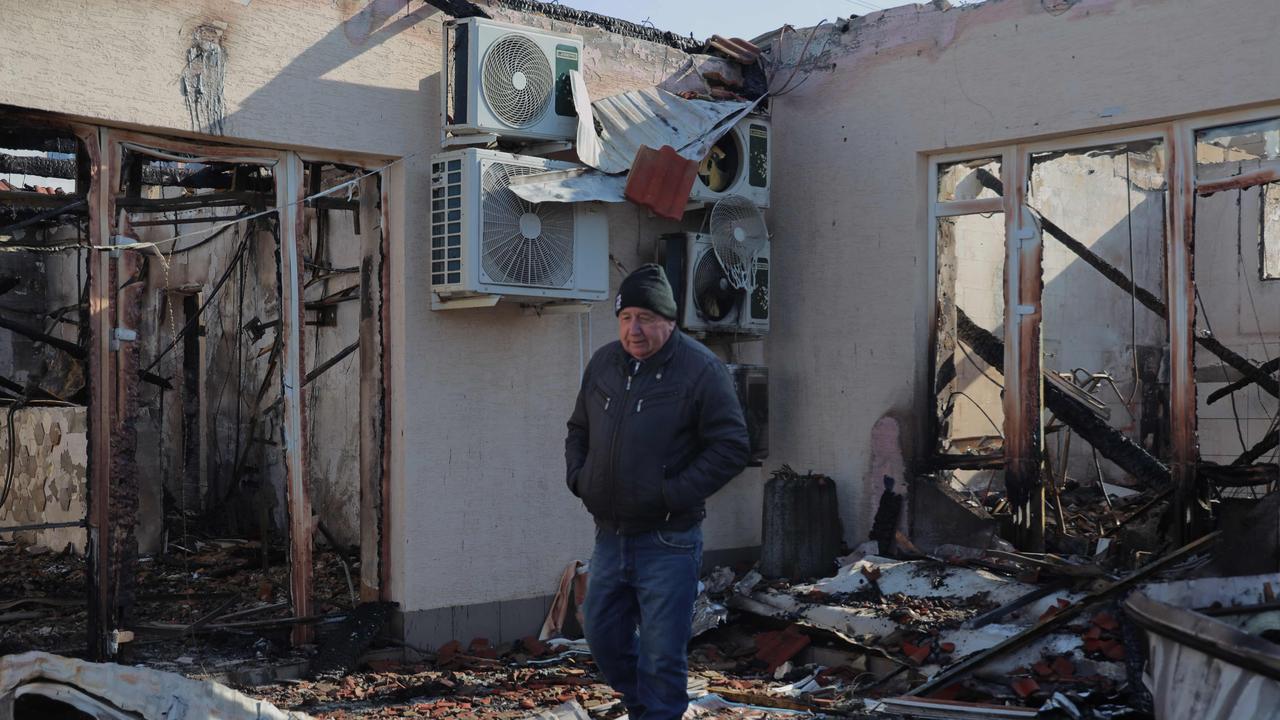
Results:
x,y
614,25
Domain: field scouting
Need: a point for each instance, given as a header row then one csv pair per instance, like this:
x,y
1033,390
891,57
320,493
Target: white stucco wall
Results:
x,y
851,250
479,398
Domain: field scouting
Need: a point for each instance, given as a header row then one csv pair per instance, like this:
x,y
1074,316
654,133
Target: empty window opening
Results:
x,y
968,374
1269,243
968,180
1103,331
1236,261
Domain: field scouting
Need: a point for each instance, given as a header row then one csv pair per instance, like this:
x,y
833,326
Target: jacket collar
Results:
x,y
658,359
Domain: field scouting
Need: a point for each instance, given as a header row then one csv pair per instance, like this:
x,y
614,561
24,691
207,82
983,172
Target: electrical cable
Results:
x,y
975,365
12,451
222,336
201,243
1225,377
999,430
864,5
213,293
1133,279
1248,286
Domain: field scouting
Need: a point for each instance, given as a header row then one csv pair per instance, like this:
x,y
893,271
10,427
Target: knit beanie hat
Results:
x,y
647,288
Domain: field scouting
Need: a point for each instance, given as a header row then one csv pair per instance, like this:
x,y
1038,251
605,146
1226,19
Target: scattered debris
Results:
x,y
351,638
110,690
1236,674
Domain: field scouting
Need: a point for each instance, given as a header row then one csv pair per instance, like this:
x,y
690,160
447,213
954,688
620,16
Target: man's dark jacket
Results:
x,y
646,447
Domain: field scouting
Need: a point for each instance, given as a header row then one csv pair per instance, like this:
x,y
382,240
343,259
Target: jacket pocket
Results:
x,y
683,540
657,400
589,485
671,498
602,399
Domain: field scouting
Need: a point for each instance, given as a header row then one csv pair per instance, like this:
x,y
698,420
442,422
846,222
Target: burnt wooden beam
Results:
x,y
74,350
1110,442
1145,297
375,375
79,206
29,133
1239,475
31,198
31,392
332,203
966,462
458,8
66,169
291,246
945,373
319,369
58,343
1268,367
1061,619
1264,446
193,202
39,166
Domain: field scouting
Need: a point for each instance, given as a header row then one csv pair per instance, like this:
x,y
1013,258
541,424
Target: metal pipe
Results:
x,y
41,526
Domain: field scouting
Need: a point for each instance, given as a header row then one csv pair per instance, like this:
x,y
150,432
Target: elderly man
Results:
x,y
656,430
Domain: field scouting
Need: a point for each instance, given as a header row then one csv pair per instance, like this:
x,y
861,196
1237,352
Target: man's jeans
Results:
x,y
645,582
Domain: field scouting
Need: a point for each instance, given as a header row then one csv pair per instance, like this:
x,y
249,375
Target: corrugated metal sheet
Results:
x,y
1199,667
649,117
138,692
580,185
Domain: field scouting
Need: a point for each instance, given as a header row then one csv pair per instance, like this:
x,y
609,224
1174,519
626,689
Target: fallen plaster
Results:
x,y
912,579
1203,592
136,692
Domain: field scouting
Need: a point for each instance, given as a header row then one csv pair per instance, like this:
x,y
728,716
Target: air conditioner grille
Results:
x,y
713,297
523,243
517,80
446,223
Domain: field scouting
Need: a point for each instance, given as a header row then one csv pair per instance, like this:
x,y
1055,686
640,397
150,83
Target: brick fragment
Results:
x,y
1063,667
1024,687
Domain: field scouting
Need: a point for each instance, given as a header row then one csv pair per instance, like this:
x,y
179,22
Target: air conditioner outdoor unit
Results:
x,y
738,164
509,80
751,382
707,303
487,241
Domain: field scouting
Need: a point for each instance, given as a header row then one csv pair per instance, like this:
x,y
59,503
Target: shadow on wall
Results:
x,y
208,63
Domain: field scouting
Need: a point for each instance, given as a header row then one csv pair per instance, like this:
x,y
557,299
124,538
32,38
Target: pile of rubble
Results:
x,y
215,601
955,632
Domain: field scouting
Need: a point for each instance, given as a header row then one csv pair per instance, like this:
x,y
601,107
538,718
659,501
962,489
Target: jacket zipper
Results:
x,y
613,457
659,396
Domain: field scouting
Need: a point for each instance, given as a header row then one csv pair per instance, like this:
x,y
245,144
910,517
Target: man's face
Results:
x,y
643,332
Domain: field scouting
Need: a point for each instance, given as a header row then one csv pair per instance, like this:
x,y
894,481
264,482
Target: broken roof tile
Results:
x,y
660,180
736,49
